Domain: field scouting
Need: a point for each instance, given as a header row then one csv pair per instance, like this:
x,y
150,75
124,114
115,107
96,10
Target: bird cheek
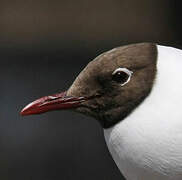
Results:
x,y
88,107
86,111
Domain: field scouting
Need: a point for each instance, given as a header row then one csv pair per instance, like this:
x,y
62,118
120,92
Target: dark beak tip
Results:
x,y
24,112
28,109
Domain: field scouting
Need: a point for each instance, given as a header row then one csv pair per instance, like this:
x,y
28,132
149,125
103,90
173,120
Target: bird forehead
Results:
x,y
131,57
115,58
106,62
103,65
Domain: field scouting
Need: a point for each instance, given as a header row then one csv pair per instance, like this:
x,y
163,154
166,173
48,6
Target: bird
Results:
x,y
135,92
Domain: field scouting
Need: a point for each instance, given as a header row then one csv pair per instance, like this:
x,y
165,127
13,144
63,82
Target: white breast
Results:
x,y
147,145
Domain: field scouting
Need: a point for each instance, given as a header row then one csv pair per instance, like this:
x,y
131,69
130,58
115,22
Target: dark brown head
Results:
x,y
109,88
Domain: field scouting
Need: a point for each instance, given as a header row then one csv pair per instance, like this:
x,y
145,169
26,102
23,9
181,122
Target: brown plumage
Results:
x,y
115,102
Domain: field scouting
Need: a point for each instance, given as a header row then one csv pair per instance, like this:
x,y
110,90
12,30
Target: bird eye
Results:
x,y
122,76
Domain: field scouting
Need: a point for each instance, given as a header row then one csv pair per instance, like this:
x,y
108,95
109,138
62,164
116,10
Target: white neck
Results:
x,y
148,143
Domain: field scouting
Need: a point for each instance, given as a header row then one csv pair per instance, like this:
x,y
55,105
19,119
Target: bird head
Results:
x,y
109,88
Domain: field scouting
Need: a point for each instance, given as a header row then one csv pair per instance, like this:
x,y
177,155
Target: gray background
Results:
x,y
43,47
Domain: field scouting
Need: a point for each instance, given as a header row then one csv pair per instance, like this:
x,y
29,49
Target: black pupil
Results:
x,y
120,77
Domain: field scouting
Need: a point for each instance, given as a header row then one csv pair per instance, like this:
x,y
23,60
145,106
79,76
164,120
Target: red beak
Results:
x,y
52,102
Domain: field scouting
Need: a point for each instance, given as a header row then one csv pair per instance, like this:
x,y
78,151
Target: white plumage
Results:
x,y
147,145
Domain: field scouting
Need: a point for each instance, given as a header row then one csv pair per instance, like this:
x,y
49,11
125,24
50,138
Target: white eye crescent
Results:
x,y
122,75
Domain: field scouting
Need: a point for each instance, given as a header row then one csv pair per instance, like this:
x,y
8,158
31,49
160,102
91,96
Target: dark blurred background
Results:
x,y
43,46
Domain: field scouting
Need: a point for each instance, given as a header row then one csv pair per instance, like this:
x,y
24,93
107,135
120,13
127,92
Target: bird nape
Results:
x,y
122,89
